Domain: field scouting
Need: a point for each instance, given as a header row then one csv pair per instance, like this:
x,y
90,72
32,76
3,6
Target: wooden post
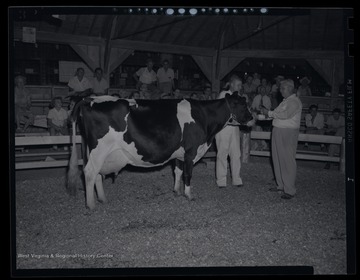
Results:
x,y
342,157
215,81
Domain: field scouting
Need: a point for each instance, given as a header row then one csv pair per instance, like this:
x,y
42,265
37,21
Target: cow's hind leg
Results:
x,y
90,177
188,168
91,172
100,189
178,174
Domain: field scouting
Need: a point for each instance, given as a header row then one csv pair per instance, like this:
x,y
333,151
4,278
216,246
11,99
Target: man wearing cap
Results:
x,y
304,89
284,138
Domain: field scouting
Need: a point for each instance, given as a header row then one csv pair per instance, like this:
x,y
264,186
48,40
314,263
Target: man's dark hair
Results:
x,y
165,61
149,60
337,110
313,106
99,69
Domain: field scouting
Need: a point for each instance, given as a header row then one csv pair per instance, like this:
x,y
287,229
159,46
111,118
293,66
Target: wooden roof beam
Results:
x,y
159,47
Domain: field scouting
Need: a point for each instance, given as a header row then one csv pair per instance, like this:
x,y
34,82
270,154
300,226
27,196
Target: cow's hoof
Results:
x,y
91,206
177,193
102,200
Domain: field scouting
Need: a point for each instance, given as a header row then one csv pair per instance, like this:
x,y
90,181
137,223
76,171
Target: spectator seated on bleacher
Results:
x,y
99,85
335,125
80,84
314,122
57,119
23,115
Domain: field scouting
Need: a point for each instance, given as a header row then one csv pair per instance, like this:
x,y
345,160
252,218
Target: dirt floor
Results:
x,y
145,225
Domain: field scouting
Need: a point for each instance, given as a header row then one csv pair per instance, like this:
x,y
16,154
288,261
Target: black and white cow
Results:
x,y
149,133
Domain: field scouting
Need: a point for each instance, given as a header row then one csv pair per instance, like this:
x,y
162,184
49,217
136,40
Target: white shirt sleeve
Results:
x,y
140,71
308,120
50,114
71,83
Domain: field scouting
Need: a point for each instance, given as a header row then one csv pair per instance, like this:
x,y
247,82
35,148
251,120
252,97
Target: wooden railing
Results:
x,y
255,135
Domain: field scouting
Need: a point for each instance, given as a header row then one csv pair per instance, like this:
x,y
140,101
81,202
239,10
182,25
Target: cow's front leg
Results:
x,y
179,165
188,167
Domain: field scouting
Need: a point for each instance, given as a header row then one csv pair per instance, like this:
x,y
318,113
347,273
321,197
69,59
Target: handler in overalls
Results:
x,y
228,144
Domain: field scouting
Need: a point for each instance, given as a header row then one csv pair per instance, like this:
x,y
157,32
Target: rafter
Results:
x,y
276,22
154,27
92,24
75,24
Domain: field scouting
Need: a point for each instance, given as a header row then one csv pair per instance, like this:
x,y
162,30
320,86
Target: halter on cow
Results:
x,y
148,133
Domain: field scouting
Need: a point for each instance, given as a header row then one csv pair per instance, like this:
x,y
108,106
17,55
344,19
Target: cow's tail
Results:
x,y
73,175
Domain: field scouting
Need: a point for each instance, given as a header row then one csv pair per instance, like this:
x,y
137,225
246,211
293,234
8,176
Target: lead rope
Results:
x,y
232,115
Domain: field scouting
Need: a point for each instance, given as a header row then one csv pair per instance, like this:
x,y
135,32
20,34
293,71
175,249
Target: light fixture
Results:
x,y
181,11
251,10
169,12
245,10
154,11
225,10
264,10
217,10
130,10
203,10
235,11
193,11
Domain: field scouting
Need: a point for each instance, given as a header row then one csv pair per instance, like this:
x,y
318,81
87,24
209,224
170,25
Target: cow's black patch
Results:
x,y
98,117
155,130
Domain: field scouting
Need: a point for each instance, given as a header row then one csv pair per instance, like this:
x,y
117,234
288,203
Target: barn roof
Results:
x,y
321,29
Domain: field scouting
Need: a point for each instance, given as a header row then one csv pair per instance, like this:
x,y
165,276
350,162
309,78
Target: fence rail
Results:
x,y
24,141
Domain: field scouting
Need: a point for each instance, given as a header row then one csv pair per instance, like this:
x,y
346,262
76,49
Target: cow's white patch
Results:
x,y
184,114
103,98
202,149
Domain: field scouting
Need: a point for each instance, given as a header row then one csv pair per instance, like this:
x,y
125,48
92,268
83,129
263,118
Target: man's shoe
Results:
x,y
275,190
287,196
238,186
221,187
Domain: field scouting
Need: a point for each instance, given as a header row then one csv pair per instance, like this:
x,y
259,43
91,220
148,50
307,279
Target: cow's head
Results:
x,y
239,112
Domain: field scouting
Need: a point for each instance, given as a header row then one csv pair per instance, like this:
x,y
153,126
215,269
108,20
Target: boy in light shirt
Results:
x,y
57,119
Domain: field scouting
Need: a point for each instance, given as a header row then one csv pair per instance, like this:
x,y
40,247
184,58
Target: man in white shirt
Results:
x,y
228,144
100,85
79,83
314,122
284,139
165,77
146,75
